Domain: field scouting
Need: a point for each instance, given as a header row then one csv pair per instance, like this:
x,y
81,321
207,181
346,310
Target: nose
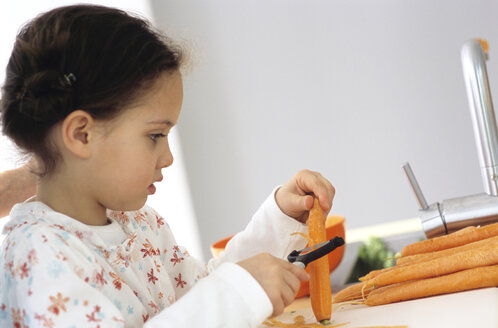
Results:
x,y
166,157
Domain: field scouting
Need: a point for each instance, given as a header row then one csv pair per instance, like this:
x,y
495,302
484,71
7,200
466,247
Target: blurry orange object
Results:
x,y
484,44
335,226
219,246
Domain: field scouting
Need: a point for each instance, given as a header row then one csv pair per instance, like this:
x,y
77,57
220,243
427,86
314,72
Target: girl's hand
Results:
x,y
295,199
279,279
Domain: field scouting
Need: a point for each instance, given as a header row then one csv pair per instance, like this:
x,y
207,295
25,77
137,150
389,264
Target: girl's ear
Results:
x,y
77,132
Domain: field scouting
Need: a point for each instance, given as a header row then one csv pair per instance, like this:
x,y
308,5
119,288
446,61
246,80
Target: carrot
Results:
x,y
476,257
353,292
480,277
457,238
319,283
374,273
417,258
299,322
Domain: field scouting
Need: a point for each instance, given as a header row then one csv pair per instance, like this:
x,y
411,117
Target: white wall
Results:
x,y
172,198
350,88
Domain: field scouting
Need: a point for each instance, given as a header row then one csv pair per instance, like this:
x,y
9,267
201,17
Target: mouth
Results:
x,y
151,189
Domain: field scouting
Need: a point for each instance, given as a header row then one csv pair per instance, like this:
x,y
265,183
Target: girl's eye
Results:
x,y
156,136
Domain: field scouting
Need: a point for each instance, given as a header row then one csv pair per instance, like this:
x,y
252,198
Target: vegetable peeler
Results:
x,y
303,257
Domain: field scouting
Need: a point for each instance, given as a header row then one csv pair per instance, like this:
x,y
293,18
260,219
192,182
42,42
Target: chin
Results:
x,y
129,206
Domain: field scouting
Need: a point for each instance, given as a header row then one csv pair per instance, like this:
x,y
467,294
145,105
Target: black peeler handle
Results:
x,y
296,256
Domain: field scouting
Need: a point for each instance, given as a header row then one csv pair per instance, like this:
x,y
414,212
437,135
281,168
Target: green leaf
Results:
x,y
373,255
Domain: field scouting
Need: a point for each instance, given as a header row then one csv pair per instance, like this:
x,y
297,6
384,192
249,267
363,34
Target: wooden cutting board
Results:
x,y
469,309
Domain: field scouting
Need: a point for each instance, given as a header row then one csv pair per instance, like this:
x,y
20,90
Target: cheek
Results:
x,y
132,171
126,156
123,166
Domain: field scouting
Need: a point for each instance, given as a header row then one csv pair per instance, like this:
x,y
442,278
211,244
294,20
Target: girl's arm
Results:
x,y
16,186
269,231
284,212
228,297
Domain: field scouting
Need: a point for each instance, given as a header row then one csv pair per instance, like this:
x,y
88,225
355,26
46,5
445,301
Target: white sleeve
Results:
x,y
228,297
269,231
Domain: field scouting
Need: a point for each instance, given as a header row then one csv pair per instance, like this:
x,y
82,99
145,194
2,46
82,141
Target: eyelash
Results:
x,y
156,136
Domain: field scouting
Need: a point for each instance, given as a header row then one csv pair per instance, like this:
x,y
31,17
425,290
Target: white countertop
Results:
x,y
469,309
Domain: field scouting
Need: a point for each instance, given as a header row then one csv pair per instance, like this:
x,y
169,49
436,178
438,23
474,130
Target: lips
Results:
x,y
151,189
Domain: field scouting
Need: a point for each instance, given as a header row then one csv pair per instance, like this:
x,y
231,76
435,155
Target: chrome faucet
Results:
x,y
480,209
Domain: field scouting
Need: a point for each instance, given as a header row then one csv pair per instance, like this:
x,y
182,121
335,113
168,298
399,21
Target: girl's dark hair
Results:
x,y
86,57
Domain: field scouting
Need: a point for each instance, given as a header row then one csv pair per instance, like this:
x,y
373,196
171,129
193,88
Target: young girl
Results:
x,y
92,92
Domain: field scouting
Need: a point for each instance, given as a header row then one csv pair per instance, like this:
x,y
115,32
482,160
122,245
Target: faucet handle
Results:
x,y
416,189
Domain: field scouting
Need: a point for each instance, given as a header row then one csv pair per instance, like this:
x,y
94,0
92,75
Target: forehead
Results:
x,y
161,103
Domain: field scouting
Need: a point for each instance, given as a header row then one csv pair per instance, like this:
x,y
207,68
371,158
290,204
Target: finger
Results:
x,y
326,202
325,192
308,202
313,182
278,306
287,294
298,203
331,189
297,271
291,280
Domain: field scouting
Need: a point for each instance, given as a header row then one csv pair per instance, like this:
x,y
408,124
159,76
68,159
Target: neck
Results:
x,y
69,197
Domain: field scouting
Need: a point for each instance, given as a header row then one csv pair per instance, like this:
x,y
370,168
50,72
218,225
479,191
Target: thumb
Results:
x,y
294,205
297,204
307,202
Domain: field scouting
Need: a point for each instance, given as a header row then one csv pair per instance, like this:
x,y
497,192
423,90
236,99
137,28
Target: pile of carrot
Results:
x,y
463,260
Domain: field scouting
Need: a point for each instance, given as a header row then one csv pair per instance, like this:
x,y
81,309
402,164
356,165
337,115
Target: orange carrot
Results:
x,y
353,292
417,258
457,238
319,283
374,273
480,277
476,257
299,322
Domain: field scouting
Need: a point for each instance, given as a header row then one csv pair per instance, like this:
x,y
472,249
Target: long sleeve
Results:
x,y
268,231
228,297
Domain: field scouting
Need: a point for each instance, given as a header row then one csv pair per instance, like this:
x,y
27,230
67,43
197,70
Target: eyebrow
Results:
x,y
166,122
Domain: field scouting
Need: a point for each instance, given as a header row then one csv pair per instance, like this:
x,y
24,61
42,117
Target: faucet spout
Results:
x,y
481,209
481,107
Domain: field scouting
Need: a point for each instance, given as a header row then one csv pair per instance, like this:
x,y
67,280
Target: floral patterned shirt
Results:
x,y
59,272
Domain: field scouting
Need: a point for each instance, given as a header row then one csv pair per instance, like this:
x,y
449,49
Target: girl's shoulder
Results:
x,y
31,220
34,226
36,246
